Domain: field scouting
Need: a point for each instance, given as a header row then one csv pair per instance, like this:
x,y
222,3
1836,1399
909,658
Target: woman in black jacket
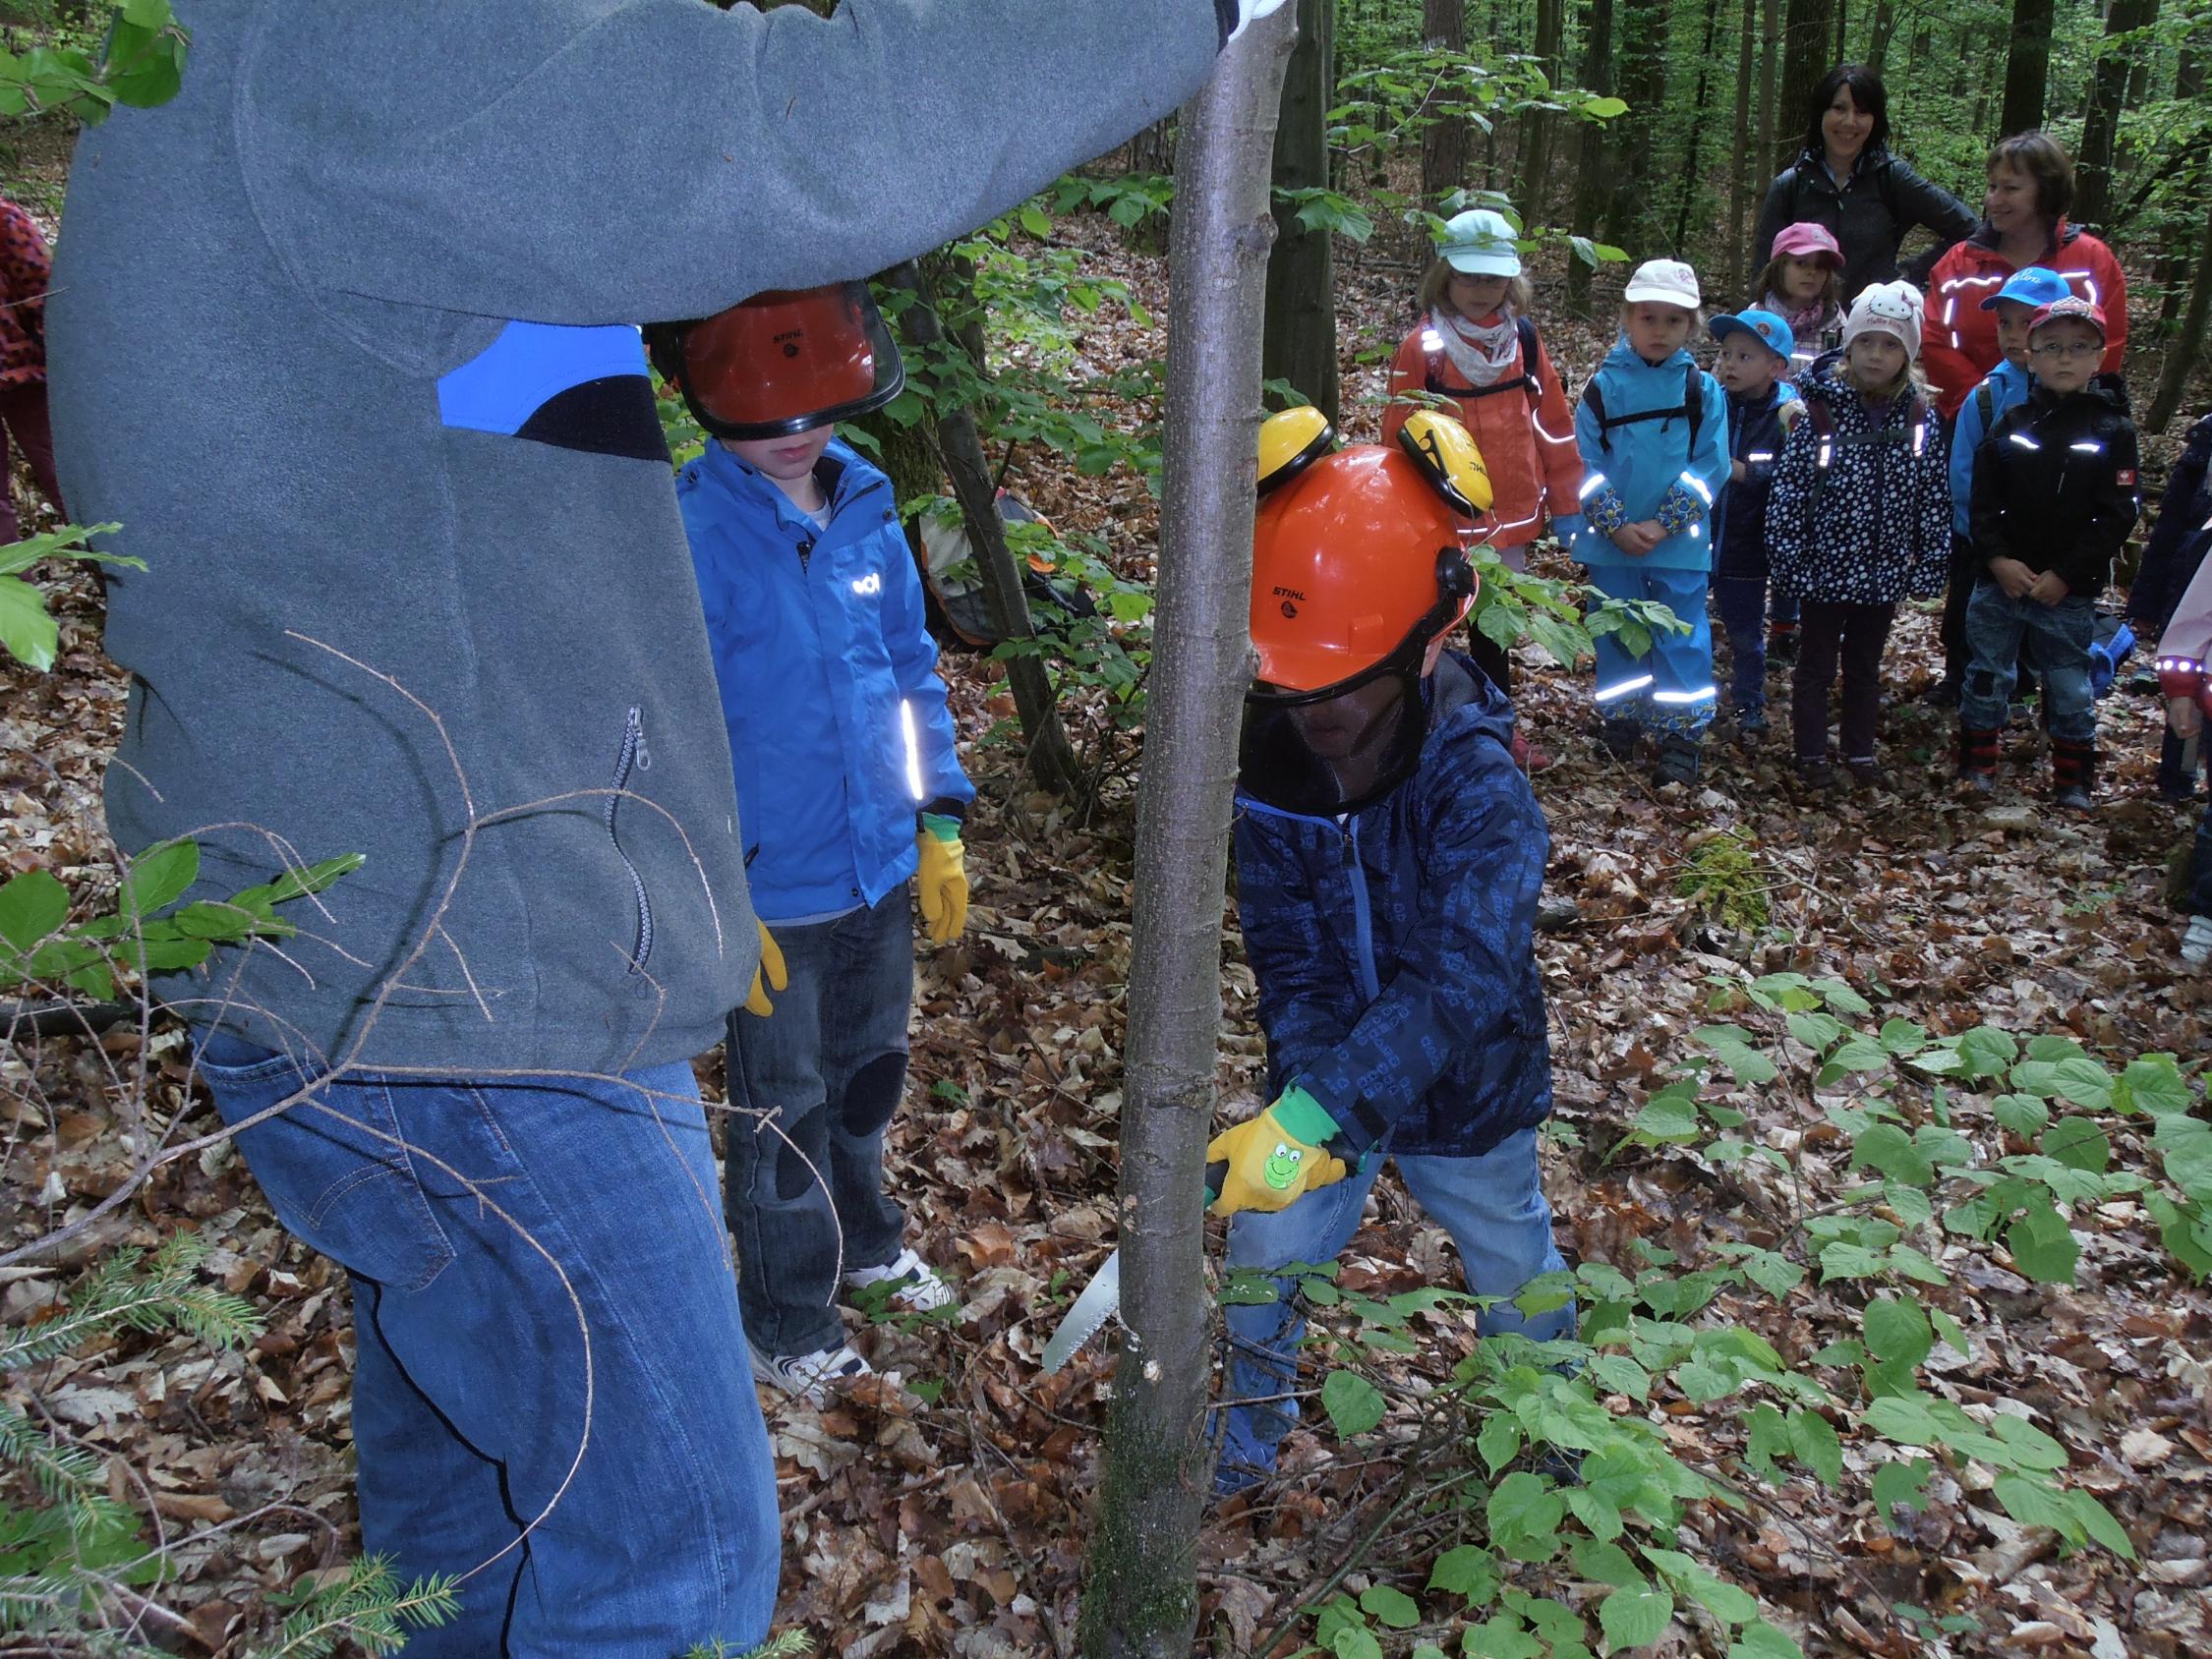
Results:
x,y
1846,179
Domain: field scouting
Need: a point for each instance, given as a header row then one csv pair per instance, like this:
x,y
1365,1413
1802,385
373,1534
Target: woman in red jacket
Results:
x,y
2023,223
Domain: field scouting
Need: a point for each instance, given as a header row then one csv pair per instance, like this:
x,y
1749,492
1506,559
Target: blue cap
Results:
x,y
2031,285
1774,333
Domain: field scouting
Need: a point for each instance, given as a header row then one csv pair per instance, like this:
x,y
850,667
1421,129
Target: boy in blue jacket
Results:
x,y
848,786
1755,354
1389,857
1653,433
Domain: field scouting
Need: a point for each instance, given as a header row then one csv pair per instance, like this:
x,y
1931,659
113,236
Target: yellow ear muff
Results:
x,y
1292,441
1445,452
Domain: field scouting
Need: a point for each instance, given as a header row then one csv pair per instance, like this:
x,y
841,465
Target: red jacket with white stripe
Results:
x,y
1958,345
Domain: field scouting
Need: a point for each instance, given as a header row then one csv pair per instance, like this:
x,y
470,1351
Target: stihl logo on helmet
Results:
x,y
782,361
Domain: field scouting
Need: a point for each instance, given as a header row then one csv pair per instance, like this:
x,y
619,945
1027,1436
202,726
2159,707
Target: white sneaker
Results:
x,y
920,1289
2196,943
810,1376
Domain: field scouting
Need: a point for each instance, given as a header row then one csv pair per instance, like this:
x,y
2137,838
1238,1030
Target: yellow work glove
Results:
x,y
942,877
771,969
1276,1158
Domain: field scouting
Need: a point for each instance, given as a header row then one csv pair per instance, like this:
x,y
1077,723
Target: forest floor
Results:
x,y
944,1508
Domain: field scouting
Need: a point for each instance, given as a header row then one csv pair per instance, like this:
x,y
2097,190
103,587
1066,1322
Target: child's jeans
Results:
x,y
547,1338
1996,623
1742,602
1856,635
1494,1210
1669,689
812,1087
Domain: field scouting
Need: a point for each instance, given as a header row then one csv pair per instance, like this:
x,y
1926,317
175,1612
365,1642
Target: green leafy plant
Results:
x,y
139,62
28,631
1724,878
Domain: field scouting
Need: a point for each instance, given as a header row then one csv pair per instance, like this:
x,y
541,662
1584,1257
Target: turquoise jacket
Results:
x,y
1651,468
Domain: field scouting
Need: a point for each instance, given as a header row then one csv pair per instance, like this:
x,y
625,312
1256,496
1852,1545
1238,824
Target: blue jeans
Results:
x,y
1742,603
551,1363
2060,633
812,1088
1492,1205
1669,689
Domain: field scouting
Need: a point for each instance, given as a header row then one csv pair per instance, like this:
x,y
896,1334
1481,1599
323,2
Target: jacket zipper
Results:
x,y
633,756
1363,926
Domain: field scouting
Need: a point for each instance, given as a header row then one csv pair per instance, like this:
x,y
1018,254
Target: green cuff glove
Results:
x,y
941,879
1275,1159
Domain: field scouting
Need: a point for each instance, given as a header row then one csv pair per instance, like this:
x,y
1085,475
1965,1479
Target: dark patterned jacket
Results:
x,y
1872,526
2180,537
1394,950
2055,487
23,271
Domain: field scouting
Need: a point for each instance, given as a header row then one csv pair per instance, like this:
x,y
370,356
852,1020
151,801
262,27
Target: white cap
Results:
x,y
1668,282
1479,242
1895,309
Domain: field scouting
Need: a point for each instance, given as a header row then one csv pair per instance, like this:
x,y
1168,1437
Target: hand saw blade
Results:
x,y
1100,1301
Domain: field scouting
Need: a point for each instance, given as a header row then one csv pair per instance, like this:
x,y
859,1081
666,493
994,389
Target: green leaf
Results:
x,y
1621,1374
2042,1246
1597,1511
2078,1144
1848,1261
2029,1446
1500,1637
1666,1120
1905,1483
1605,108
1035,220
1468,1570
1499,1441
1521,1506
1732,1045
2098,1523
1814,1441
1952,1333
159,877
1855,1052
2033,1501
1815,1030
1888,1148
1354,1405
1762,1640
1605,1563
1394,1608
2179,1228
2154,1083
32,907
1841,997
1634,1618
2023,1114
1903,1418
1898,1331
25,629
1903,1036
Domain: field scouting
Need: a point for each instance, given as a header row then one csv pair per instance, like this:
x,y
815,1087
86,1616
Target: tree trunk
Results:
x,y
2027,68
1878,35
2100,118
1590,171
1141,1597
1770,73
1643,83
1444,146
1842,32
1052,760
2189,341
1300,344
1539,128
1743,158
1808,27
1697,129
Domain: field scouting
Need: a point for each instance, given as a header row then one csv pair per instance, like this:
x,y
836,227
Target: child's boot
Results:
x,y
1677,761
2196,942
1619,738
2073,770
1977,760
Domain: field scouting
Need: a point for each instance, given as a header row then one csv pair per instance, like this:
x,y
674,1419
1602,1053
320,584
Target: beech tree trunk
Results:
x,y
1744,159
1300,345
2100,118
1540,128
1141,1597
1808,27
1770,73
2188,340
1444,146
2027,68
1697,127
1634,137
1052,760
1590,171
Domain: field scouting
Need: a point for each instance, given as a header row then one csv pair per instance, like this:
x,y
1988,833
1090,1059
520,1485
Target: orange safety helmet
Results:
x,y
782,361
1355,558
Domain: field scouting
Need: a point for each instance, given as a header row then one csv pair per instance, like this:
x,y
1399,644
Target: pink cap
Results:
x,y
1808,241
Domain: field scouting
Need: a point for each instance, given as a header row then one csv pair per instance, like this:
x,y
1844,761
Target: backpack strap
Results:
x,y
1524,326
1691,409
1986,401
1595,401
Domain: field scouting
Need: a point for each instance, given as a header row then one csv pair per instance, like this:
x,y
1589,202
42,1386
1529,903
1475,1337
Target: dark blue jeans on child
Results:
x,y
1996,624
552,1399
1492,1205
812,1089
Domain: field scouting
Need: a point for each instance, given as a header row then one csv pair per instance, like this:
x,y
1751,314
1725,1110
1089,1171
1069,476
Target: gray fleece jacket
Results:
x,y
344,338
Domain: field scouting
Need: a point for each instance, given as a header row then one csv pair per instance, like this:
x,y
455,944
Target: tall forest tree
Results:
x,y
1140,1595
1539,126
2117,62
1590,168
1741,182
1808,29
1643,83
1300,329
1443,144
2027,68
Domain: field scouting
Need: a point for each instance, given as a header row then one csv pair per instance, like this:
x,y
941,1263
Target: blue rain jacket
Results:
x,y
2008,386
1394,950
837,725
1650,471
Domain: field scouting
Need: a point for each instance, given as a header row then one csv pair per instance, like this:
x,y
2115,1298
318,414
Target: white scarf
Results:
x,y
1481,352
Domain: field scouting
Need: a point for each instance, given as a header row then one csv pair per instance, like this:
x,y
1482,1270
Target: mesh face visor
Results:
x,y
782,361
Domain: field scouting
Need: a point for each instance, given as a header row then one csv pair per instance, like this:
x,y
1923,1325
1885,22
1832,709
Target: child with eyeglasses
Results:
x,y
2054,497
